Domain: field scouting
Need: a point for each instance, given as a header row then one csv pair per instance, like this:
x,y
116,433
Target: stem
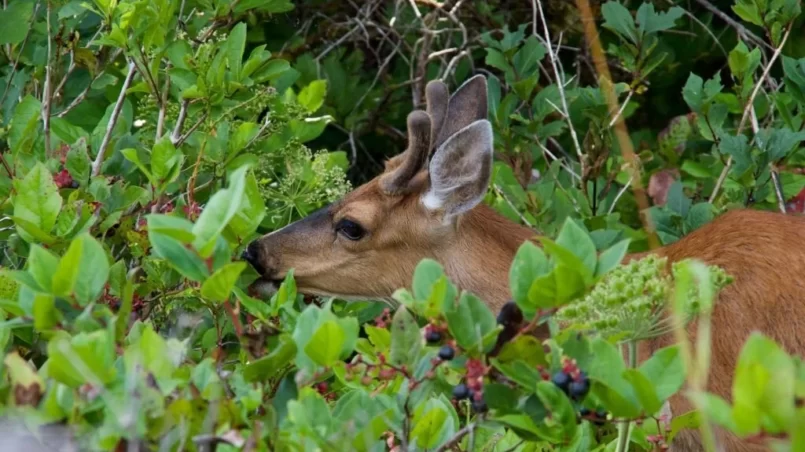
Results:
x,y
624,427
98,163
47,89
750,103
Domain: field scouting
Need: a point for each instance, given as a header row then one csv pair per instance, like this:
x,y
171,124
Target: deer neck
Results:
x,y
485,246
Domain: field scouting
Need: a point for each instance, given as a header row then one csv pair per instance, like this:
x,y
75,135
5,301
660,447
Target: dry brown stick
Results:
x,y
625,142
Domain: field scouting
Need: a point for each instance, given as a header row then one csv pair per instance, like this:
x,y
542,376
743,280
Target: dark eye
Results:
x,y
350,229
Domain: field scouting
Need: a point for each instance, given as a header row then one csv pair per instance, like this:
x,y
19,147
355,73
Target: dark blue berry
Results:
x,y
433,337
510,315
579,388
479,406
447,353
461,391
561,380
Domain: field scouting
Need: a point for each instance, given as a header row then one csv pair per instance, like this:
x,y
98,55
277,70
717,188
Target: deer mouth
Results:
x,y
264,287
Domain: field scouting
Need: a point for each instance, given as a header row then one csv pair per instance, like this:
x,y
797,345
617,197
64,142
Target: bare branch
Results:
x,y
47,88
177,129
559,84
748,108
98,163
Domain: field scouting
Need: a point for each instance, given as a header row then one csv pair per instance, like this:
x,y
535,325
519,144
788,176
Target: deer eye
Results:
x,y
350,229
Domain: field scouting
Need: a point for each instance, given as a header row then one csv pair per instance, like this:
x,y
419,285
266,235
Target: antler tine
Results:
x,y
414,158
437,97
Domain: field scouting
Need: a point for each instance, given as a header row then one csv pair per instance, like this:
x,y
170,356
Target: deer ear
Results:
x,y
460,170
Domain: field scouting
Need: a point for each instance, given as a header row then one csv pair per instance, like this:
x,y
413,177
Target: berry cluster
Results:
x,y
472,386
384,319
571,380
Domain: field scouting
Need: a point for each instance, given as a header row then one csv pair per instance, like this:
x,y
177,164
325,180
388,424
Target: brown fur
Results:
x,y
763,251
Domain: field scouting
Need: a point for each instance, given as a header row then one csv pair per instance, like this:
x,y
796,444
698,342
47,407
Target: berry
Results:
x,y
433,337
510,315
584,411
74,184
447,353
579,388
478,405
561,380
461,391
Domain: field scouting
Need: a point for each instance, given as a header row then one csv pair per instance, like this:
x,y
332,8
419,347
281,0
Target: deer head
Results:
x,y
427,203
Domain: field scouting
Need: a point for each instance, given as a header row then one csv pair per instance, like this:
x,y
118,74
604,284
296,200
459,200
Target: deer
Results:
x,y
428,203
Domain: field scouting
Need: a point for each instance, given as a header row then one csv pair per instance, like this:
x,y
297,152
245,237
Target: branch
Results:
x,y
47,88
467,430
98,163
177,130
625,142
560,85
740,29
748,108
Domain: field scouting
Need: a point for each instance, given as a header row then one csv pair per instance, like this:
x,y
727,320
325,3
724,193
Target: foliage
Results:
x,y
145,143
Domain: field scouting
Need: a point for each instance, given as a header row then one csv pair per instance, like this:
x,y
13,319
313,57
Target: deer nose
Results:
x,y
250,255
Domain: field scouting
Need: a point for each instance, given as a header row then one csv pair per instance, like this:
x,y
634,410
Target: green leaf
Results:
x,y
177,255
428,428
164,159
649,21
529,263
426,274
83,270
676,200
406,340
693,92
665,370
77,162
22,133
312,96
644,390
220,209
469,321
558,404
326,344
575,239
37,200
738,148
235,46
218,287
611,258
131,155
268,366
15,21
45,314
41,265
763,388
619,20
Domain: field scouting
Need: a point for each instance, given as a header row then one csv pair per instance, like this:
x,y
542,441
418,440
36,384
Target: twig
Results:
x,y
740,29
163,104
46,89
80,98
538,5
177,129
67,74
514,208
467,430
620,111
98,163
618,196
625,142
748,108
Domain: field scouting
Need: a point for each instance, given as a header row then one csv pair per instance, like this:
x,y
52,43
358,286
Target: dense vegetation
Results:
x,y
144,143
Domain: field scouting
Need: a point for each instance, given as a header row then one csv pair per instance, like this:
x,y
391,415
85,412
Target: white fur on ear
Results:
x,y
460,170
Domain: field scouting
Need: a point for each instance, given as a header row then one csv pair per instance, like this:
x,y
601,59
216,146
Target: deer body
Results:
x,y
428,204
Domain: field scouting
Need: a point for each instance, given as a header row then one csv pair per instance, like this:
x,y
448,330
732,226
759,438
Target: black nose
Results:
x,y
250,255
